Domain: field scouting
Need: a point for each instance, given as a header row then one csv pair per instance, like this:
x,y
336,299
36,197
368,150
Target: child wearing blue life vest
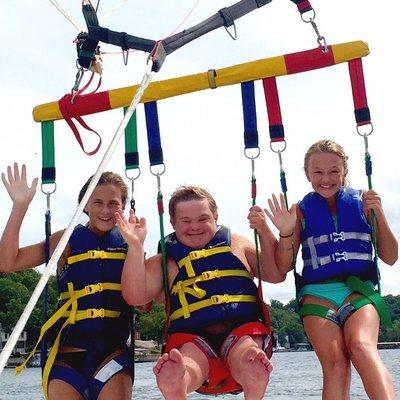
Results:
x,y
89,358
338,301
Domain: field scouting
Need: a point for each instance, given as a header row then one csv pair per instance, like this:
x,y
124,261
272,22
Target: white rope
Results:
x,y
51,266
65,14
113,9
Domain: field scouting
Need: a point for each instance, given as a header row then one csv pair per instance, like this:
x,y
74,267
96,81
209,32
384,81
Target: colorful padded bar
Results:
x,y
361,110
254,70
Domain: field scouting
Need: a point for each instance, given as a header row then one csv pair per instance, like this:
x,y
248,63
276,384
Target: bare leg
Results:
x,y
328,342
60,390
250,366
181,371
119,387
361,334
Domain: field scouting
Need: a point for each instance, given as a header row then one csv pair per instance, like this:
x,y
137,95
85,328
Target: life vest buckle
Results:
x,y
208,275
219,299
336,236
95,313
94,288
196,254
341,256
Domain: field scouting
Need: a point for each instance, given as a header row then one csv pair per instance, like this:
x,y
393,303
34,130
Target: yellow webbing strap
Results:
x,y
69,310
91,289
181,287
96,254
197,254
214,300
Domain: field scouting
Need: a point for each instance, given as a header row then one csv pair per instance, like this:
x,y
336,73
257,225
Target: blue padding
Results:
x,y
362,115
276,131
153,133
249,115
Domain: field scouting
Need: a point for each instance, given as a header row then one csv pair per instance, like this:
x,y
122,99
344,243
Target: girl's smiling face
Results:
x,y
326,172
101,207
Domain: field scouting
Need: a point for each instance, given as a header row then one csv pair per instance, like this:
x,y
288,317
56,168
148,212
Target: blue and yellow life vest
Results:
x,y
92,313
212,285
338,250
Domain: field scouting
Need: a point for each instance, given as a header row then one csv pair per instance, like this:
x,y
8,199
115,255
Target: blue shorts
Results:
x,y
82,377
335,292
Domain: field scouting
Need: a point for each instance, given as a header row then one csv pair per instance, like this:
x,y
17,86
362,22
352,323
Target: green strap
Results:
x,y
48,167
131,143
359,286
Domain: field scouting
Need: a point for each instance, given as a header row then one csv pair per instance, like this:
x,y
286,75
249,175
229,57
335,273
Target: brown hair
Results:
x,y
326,146
107,178
187,193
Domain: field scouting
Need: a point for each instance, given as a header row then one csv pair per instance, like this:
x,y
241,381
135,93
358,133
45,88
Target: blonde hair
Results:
x,y
187,193
326,146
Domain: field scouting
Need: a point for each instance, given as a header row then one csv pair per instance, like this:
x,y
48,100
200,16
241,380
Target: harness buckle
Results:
x,y
336,236
94,288
219,299
196,254
95,313
208,275
91,254
341,256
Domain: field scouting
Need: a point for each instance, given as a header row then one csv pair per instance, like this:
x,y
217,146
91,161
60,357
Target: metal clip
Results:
x,y
336,236
341,256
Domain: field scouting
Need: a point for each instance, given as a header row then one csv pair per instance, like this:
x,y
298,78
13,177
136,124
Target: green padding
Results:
x,y
377,300
131,145
314,309
48,147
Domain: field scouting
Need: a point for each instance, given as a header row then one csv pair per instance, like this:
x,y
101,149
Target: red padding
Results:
x,y
308,60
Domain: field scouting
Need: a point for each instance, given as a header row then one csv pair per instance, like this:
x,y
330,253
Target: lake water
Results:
x,y
297,375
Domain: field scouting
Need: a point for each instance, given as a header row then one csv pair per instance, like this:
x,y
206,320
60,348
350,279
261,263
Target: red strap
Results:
x,y
75,105
358,88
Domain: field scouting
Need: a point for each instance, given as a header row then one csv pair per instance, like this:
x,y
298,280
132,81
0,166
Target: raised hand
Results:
x,y
17,186
284,220
133,230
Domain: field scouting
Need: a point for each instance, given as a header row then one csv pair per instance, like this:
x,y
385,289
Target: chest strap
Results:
x,y
183,287
197,254
212,301
95,254
69,310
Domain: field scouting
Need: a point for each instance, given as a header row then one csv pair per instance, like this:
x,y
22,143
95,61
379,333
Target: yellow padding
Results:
x,y
96,254
70,310
90,289
214,300
254,70
197,254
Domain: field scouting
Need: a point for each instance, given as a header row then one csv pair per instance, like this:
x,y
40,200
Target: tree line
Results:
x,y
16,289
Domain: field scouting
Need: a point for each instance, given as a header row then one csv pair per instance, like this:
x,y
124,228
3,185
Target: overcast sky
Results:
x,y
202,133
